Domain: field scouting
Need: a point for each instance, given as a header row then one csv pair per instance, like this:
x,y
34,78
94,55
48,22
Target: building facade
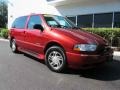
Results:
x,y
18,8
85,13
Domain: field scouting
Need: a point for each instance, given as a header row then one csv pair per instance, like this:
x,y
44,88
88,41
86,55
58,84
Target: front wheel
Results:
x,y
56,59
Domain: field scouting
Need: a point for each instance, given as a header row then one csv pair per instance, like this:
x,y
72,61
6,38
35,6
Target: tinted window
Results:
x,y
117,20
20,22
34,20
85,20
73,19
103,20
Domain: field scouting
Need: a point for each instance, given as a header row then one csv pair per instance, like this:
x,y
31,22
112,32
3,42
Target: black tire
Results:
x,y
14,46
56,54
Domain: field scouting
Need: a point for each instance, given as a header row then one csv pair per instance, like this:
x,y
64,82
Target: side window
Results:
x,y
19,22
34,20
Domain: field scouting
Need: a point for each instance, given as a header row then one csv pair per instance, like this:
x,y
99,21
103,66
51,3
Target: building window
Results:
x,y
85,20
103,20
107,20
72,18
117,19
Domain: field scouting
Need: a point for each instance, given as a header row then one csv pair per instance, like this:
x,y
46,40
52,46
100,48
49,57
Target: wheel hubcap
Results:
x,y
13,46
55,60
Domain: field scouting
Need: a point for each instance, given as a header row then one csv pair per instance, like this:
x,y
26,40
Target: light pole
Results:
x,y
10,12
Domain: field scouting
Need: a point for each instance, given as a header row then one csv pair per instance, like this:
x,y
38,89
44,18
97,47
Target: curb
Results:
x,y
6,40
116,53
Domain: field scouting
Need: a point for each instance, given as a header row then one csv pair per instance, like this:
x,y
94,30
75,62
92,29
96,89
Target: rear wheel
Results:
x,y
14,46
56,59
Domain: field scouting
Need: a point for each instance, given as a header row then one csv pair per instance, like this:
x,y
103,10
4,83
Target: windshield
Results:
x,y
59,21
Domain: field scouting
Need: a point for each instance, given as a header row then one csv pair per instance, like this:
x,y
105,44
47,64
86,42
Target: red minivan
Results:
x,y
59,42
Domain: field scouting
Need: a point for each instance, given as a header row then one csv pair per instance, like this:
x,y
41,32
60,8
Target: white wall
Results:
x,y
25,7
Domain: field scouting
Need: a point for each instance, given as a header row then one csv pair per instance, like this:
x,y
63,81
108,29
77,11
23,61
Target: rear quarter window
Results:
x,y
20,22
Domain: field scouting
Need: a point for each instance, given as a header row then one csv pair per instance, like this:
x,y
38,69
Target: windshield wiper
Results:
x,y
61,26
75,28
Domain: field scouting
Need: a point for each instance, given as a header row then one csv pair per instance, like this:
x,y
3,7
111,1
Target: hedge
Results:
x,y
112,35
4,33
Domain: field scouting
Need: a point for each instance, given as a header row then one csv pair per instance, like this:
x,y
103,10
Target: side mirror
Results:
x,y
38,26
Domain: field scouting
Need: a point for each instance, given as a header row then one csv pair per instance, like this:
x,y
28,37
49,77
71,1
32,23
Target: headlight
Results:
x,y
85,47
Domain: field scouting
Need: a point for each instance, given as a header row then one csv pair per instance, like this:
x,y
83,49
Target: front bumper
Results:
x,y
86,61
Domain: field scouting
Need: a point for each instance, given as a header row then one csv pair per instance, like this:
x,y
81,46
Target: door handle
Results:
x,y
24,32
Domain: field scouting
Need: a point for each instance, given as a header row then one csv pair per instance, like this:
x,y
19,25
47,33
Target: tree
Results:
x,y
3,13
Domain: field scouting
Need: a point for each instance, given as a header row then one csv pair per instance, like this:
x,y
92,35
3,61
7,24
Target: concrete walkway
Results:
x,y
1,39
116,53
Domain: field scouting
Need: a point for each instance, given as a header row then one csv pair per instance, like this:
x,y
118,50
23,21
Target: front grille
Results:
x,y
102,49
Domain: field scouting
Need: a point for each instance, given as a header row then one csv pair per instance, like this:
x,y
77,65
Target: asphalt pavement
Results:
x,y
24,72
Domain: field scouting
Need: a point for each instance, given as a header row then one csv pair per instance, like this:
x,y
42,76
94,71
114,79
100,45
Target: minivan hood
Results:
x,y
81,36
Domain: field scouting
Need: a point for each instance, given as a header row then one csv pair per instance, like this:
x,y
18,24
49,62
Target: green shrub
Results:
x,y
112,35
0,32
4,33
